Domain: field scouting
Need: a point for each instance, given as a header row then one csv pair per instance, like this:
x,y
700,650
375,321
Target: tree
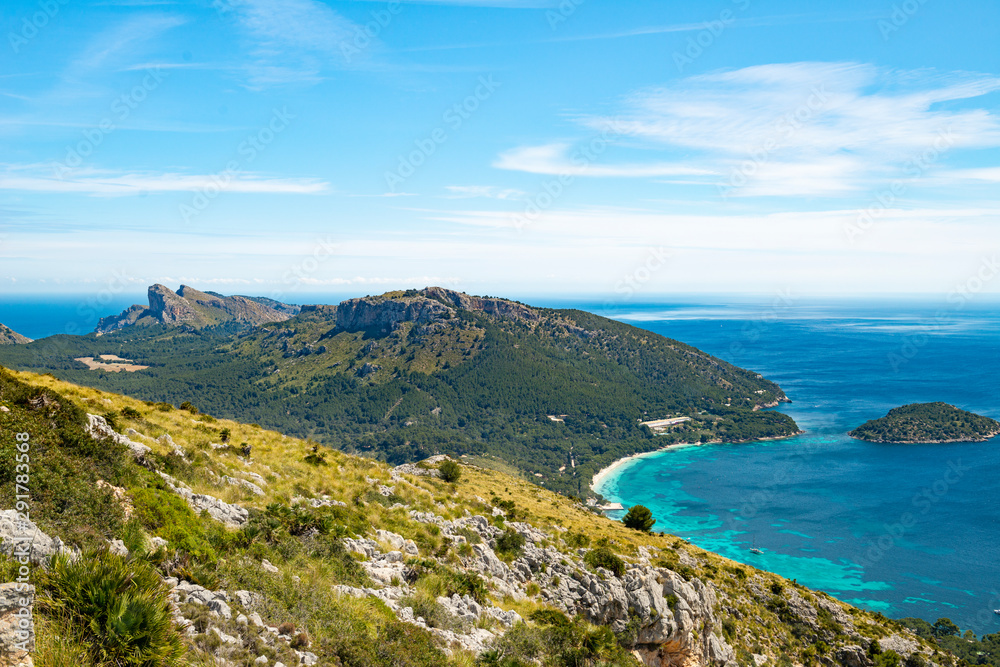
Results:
x,y
945,627
639,517
450,471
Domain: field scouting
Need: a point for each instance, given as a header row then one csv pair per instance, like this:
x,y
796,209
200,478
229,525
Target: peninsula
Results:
x,y
927,422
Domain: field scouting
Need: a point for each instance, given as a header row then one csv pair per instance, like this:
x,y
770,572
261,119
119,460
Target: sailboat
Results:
x,y
754,549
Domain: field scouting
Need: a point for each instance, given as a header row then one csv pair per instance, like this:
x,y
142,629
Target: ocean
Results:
x,y
906,530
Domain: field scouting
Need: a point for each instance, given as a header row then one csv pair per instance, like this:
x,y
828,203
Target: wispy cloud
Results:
x,y
111,184
797,128
483,191
558,159
292,40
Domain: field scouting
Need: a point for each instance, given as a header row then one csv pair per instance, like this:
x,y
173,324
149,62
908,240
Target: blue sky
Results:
x,y
622,149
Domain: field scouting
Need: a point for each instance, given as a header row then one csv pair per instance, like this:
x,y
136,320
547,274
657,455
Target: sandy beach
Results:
x,y
603,474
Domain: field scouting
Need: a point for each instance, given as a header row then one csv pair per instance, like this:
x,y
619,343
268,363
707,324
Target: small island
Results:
x,y
927,422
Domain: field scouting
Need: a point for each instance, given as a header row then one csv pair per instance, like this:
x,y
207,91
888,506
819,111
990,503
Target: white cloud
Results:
x,y
108,183
483,191
562,159
795,128
295,40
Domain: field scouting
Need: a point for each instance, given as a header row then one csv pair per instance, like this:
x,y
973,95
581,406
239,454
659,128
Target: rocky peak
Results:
x,y
169,307
430,305
10,337
491,306
195,308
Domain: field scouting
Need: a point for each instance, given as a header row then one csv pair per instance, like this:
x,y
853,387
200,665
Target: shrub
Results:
x,y
166,515
131,413
604,557
118,608
510,543
186,405
450,471
639,517
225,434
286,628
111,418
576,540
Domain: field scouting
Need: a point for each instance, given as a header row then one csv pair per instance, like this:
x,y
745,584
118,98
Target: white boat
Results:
x,y
997,612
755,550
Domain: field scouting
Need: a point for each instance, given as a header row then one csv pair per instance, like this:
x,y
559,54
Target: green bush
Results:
x,y
166,515
511,543
118,609
606,558
131,413
450,471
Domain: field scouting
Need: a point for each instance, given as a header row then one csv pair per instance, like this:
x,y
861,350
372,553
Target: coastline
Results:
x,y
604,473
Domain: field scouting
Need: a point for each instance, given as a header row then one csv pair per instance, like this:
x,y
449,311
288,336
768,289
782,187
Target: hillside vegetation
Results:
x,y
927,422
557,394
195,553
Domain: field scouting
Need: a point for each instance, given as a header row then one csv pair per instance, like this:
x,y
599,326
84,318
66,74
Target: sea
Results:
x,y
906,530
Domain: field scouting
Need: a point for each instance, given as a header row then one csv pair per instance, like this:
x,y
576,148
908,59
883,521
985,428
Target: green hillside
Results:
x,y
556,393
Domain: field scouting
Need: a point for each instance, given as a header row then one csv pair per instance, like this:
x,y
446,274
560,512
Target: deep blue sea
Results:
x,y
908,530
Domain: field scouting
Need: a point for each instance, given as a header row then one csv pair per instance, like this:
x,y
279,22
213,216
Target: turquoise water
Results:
x,y
908,530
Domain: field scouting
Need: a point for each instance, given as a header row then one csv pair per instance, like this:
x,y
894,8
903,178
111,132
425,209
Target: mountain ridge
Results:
x,y
192,307
408,374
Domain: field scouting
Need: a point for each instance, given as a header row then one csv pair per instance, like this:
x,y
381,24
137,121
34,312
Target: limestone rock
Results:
x,y
231,515
98,429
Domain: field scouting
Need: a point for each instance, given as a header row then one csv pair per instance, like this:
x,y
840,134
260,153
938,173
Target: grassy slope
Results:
x,y
343,626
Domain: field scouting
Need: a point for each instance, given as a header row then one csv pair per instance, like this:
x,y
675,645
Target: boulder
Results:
x,y
21,537
98,429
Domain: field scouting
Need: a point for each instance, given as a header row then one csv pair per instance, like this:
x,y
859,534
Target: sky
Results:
x,y
624,150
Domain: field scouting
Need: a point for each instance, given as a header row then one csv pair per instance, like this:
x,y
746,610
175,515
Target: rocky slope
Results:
x,y
299,556
194,308
10,337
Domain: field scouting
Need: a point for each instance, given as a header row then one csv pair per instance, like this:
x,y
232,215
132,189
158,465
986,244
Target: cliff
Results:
x,y
10,337
197,309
